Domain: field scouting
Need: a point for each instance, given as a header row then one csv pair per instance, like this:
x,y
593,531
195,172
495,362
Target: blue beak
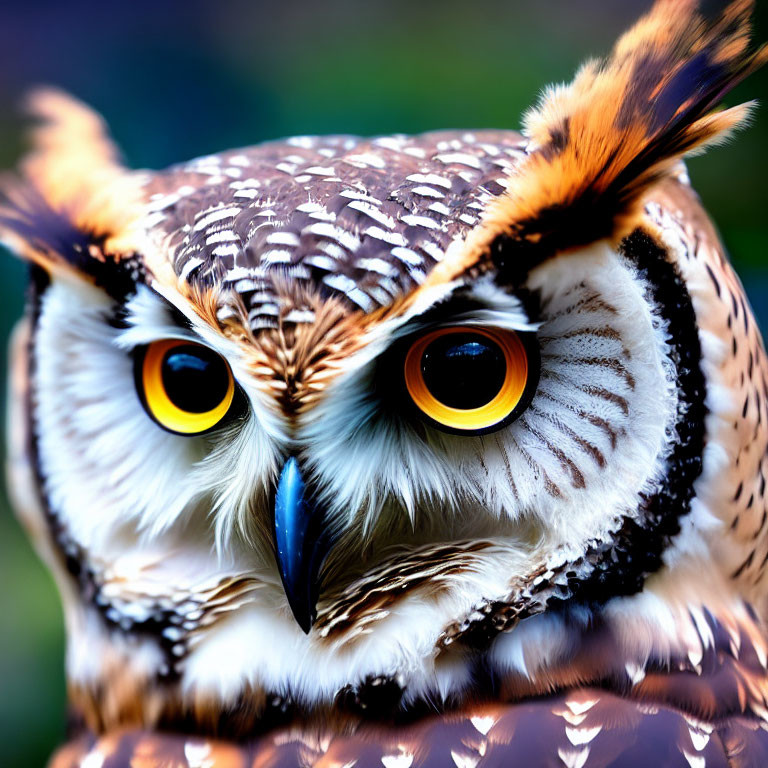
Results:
x,y
302,543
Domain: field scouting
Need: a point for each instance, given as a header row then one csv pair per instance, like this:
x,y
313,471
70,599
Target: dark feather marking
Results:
x,y
577,476
611,397
559,138
603,362
507,466
402,573
551,487
747,562
713,279
598,333
592,450
595,421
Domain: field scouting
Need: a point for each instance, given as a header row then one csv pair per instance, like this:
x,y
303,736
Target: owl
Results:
x,y
438,450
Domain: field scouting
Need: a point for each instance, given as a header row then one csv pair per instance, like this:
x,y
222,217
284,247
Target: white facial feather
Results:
x,y
97,454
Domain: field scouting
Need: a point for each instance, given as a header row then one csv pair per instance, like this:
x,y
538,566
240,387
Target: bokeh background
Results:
x,y
182,78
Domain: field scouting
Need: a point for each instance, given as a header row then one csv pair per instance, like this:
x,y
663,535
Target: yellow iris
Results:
x,y
186,410
499,406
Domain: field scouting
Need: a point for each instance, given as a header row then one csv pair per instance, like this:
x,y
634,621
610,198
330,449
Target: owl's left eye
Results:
x,y
186,388
470,380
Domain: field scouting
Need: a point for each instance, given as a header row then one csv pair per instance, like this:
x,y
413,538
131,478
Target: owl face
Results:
x,y
327,411
530,412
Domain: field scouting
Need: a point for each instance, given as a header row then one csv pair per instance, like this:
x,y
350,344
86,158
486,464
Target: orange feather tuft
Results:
x,y
74,194
599,144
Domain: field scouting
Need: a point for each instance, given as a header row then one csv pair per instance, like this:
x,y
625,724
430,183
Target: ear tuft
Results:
x,y
624,123
72,155
599,144
74,202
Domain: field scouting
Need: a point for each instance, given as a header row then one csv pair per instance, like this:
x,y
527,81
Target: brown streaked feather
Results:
x,y
344,616
675,209
601,143
296,362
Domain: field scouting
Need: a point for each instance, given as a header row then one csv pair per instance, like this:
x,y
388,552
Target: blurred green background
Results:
x,y
179,79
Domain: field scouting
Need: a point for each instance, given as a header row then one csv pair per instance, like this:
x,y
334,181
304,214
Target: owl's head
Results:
x,y
334,414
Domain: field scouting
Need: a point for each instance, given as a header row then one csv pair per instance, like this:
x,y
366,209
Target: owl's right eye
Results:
x,y
469,380
186,388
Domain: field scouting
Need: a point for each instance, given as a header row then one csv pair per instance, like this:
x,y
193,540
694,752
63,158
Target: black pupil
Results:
x,y
196,379
463,370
